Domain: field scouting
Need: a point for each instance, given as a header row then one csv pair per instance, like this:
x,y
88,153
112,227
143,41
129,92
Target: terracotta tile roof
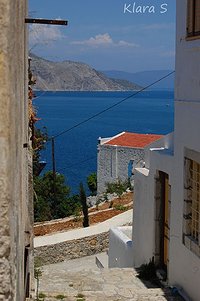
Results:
x,y
127,139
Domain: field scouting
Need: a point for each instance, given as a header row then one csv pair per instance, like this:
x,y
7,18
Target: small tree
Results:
x,y
92,183
37,275
48,203
83,200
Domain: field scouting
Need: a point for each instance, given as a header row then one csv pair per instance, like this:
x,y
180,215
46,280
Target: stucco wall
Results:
x,y
144,215
184,269
15,229
187,59
186,137
184,265
120,253
113,164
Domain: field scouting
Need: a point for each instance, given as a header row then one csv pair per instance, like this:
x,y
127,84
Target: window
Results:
x,y
195,191
193,18
192,206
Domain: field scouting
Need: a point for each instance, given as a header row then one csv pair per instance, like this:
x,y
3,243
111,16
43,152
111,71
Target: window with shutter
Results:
x,y
191,222
193,18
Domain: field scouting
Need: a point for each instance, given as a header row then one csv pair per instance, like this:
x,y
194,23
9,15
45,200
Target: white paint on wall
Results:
x,y
159,158
184,265
120,247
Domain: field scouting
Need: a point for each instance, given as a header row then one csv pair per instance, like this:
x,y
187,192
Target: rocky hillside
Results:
x,y
74,76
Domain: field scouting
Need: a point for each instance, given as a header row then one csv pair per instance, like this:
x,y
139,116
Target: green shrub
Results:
x,y
105,197
119,187
147,271
77,214
120,207
92,183
97,204
60,297
80,295
41,296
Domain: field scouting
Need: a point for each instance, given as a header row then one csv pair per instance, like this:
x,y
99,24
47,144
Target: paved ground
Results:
x,y
81,280
118,220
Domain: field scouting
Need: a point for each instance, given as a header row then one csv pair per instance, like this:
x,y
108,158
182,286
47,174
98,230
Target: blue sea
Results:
x,y
76,150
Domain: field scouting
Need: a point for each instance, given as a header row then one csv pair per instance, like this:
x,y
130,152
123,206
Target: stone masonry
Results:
x,y
15,222
77,248
113,164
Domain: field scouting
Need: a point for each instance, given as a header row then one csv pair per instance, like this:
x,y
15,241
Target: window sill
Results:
x,y
192,245
192,38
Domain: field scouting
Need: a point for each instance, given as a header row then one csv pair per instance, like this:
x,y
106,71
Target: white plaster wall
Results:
x,y
184,266
112,164
144,200
120,248
142,219
165,142
187,59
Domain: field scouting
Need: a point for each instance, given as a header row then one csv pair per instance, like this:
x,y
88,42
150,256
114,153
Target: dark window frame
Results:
x,y
191,9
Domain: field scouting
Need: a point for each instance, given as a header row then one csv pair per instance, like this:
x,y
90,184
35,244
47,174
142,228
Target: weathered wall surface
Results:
x,y
15,230
113,162
187,128
184,263
72,249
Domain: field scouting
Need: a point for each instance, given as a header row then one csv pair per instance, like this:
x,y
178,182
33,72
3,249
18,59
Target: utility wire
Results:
x,y
111,107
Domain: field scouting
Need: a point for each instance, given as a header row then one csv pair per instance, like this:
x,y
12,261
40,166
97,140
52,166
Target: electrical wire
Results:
x,y
111,107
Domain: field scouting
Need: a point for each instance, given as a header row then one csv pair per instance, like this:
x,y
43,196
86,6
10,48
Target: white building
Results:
x,y
166,223
119,155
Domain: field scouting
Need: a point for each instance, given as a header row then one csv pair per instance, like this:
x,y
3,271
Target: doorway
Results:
x,y
162,232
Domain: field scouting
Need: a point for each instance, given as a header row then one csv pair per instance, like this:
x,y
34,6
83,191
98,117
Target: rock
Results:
x,y
74,76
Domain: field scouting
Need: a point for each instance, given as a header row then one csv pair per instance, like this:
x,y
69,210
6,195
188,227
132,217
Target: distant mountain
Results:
x,y
145,78
74,76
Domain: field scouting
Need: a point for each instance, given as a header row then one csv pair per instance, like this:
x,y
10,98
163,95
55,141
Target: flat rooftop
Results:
x,y
128,139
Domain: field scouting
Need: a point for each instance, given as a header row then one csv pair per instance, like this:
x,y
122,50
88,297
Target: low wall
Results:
x,y
72,249
120,248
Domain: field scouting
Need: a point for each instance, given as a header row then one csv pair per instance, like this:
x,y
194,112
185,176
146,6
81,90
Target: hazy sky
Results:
x,y
107,34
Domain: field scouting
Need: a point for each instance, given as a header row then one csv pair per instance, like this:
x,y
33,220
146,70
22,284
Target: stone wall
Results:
x,y
113,163
15,227
72,249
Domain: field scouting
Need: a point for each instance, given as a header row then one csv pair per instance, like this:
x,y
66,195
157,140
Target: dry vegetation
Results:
x,y
97,214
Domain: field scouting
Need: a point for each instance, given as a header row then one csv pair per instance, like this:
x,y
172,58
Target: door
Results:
x,y
162,220
166,221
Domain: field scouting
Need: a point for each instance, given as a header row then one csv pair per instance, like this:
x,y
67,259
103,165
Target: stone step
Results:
x,y
102,260
80,279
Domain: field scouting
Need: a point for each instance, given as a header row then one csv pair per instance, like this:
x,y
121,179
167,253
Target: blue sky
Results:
x,y
106,34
